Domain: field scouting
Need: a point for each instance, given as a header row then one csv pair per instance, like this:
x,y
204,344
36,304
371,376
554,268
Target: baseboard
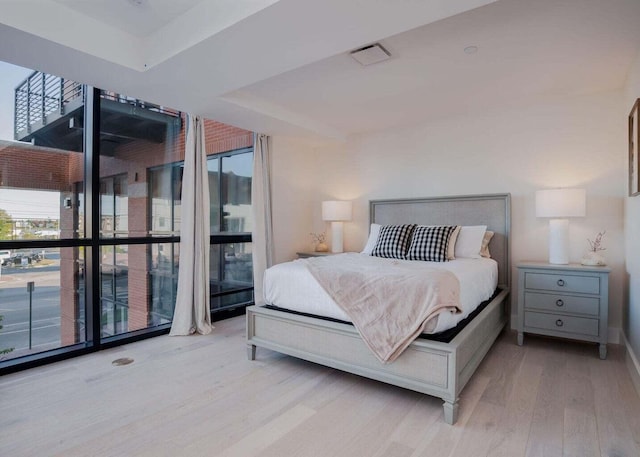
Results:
x,y
632,363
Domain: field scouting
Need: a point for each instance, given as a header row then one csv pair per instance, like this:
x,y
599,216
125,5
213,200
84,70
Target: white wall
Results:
x,y
559,143
295,188
631,321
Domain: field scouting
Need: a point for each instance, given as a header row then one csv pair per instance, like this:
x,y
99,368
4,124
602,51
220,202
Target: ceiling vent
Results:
x,y
371,54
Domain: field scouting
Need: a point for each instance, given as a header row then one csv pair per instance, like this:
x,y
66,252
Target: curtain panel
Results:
x,y
262,235
192,313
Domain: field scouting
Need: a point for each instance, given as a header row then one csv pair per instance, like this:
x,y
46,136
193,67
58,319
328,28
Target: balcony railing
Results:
x,y
41,95
38,96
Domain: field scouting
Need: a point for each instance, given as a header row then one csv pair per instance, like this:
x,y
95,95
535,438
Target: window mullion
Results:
x,y
92,213
221,222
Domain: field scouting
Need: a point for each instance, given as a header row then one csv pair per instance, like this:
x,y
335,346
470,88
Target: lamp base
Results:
x,y
336,237
559,241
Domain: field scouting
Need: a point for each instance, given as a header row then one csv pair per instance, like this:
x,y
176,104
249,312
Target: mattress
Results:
x,y
291,286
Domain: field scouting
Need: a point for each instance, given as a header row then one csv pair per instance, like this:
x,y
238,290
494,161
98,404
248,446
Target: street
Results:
x,y
14,307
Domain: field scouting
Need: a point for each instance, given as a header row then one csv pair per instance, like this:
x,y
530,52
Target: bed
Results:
x,y
436,368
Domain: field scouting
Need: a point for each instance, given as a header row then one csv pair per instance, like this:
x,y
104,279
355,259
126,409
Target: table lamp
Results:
x,y
559,205
337,212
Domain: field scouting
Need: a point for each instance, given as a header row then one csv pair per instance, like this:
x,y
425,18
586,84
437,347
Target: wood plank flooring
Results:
x,y
200,396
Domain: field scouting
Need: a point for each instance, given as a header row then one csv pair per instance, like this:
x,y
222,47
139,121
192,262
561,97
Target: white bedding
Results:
x,y
291,286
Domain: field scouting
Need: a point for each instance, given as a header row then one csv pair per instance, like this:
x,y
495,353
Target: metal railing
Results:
x,y
41,95
120,98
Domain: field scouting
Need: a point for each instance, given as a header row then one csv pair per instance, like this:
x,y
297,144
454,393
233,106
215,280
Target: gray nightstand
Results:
x,y
570,301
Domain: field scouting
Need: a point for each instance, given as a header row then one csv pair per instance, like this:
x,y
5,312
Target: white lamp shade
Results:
x,y
335,210
561,203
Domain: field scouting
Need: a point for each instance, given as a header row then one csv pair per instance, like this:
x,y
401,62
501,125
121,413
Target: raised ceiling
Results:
x,y
137,17
283,67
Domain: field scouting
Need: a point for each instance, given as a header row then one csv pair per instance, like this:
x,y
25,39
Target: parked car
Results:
x,y
4,257
24,258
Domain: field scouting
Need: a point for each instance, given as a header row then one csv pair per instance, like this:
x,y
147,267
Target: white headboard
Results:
x,y
492,210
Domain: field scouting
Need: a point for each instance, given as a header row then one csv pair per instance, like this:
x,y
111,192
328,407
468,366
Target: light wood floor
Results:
x,y
200,396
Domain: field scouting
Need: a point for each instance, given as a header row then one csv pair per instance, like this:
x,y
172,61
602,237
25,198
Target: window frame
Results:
x,y
216,238
89,239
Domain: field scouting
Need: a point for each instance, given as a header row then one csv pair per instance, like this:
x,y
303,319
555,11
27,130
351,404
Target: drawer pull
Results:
x,y
560,282
559,302
559,323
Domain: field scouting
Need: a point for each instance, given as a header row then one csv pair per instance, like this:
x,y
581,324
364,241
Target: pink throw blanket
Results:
x,y
390,302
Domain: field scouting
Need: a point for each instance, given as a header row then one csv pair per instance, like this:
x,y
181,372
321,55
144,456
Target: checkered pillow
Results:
x,y
430,243
393,241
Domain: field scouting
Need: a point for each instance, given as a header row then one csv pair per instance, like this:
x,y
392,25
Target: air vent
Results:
x,y
370,54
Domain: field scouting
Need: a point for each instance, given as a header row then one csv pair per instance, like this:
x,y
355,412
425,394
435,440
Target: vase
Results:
x,y
322,247
593,258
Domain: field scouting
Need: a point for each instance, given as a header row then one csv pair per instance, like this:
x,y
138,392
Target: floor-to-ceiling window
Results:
x,y
90,216
164,220
42,182
231,264
114,297
136,137
231,261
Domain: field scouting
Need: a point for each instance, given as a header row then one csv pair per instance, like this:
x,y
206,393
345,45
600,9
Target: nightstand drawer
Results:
x,y
562,303
563,283
559,323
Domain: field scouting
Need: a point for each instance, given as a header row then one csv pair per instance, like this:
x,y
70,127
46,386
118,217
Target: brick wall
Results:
x,y
24,168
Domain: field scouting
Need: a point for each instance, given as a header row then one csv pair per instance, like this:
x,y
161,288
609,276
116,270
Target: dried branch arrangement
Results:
x,y
596,244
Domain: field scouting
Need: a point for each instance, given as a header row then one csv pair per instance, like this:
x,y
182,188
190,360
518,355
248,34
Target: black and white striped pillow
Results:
x,y
393,241
430,243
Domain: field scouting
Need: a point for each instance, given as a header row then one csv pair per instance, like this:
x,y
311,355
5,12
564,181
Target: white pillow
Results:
x,y
469,241
374,232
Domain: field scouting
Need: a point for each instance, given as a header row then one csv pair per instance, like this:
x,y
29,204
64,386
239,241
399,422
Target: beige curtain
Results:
x,y
192,312
262,235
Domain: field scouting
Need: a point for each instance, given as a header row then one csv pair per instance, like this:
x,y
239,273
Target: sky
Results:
x,y
21,204
10,77
30,204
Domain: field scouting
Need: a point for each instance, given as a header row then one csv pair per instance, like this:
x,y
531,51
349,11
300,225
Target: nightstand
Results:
x,y
304,255
568,301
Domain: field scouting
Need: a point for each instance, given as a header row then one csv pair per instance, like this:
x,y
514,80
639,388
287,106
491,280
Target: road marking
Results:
x,y
46,319
34,346
27,330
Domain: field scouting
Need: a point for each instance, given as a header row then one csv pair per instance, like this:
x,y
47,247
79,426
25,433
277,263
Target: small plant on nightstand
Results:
x,y
319,239
593,256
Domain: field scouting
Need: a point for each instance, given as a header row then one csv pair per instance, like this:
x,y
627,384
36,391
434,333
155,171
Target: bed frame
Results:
x,y
430,367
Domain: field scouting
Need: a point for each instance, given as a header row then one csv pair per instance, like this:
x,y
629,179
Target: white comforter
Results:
x,y
291,286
